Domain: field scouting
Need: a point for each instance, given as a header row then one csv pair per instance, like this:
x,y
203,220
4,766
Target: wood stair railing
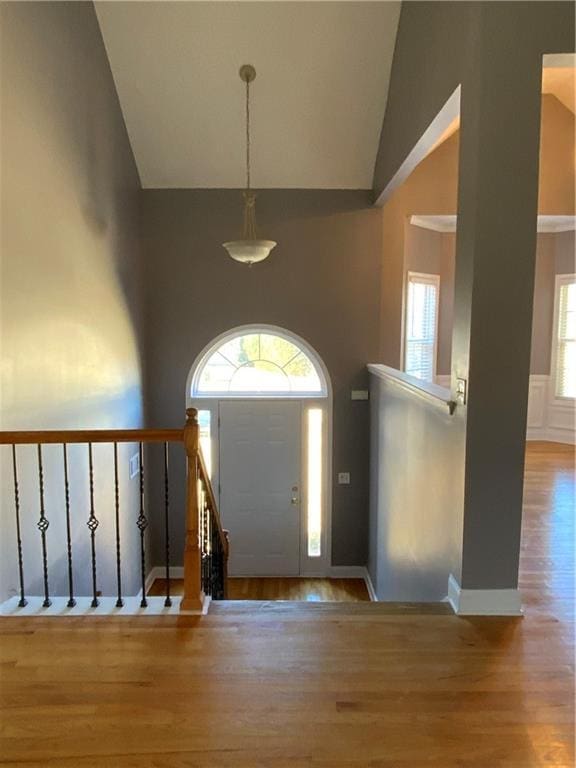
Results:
x,y
206,543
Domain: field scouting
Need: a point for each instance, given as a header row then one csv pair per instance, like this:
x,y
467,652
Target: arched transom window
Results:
x,y
258,363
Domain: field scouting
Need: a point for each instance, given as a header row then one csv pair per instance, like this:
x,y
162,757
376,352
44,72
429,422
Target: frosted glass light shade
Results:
x,y
249,251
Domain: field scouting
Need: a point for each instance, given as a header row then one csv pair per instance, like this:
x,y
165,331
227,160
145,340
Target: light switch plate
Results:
x,y
461,391
359,394
343,478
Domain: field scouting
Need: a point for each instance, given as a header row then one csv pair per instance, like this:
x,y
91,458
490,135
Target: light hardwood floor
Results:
x,y
308,590
327,686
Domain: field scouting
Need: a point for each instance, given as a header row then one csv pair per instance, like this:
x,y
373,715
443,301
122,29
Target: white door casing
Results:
x,y
319,397
260,485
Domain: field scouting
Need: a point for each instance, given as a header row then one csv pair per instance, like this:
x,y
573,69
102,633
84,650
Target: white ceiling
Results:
x,y
317,103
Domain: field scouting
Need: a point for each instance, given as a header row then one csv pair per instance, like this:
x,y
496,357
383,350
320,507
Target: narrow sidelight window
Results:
x,y
206,439
314,482
421,325
565,352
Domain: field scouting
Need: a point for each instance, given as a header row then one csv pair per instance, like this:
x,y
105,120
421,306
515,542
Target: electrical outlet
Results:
x,y
343,478
134,465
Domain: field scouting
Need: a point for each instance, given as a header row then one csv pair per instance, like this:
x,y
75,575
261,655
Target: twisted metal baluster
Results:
x,y
213,561
168,600
202,532
209,549
22,602
205,534
71,602
43,525
221,560
119,601
92,524
142,524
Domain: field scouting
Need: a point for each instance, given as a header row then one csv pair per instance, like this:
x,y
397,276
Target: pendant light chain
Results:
x,y
250,249
249,196
248,135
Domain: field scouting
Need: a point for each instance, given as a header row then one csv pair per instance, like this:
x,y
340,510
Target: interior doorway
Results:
x,y
265,407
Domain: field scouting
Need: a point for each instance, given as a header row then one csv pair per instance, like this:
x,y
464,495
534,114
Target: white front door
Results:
x,y
260,485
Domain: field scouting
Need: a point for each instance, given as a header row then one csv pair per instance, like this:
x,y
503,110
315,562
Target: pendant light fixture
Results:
x,y
250,249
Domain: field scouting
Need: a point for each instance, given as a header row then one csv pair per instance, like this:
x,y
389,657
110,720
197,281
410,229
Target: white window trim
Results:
x,y
223,338
432,279
309,566
568,402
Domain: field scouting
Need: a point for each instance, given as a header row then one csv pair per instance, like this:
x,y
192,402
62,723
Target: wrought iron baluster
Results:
x,y
92,524
22,602
168,600
201,531
142,524
210,548
214,559
206,545
119,601
71,601
221,569
220,572
43,525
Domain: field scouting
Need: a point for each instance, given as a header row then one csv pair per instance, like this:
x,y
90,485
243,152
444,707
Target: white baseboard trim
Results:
x,y
551,435
549,419
370,586
106,607
354,572
483,602
558,435
159,572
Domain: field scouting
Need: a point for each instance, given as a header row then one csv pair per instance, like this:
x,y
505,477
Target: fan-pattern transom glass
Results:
x,y
258,363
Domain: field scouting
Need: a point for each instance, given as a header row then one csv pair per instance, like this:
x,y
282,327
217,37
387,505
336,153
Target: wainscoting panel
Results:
x,y
548,418
537,402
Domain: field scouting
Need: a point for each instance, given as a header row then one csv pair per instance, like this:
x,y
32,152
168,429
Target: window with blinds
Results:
x,y
421,325
565,358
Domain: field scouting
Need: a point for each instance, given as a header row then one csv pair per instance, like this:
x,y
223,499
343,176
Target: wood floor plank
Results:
x,y
281,685
296,588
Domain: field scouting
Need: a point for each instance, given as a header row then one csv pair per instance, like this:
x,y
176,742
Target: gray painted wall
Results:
x,y
565,253
494,51
432,189
318,283
429,252
71,284
415,525
435,253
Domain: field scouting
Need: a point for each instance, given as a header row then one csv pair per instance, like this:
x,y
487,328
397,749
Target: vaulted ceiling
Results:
x,y
317,103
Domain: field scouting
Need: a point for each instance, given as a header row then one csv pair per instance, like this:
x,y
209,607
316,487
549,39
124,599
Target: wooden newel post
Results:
x,y
193,598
